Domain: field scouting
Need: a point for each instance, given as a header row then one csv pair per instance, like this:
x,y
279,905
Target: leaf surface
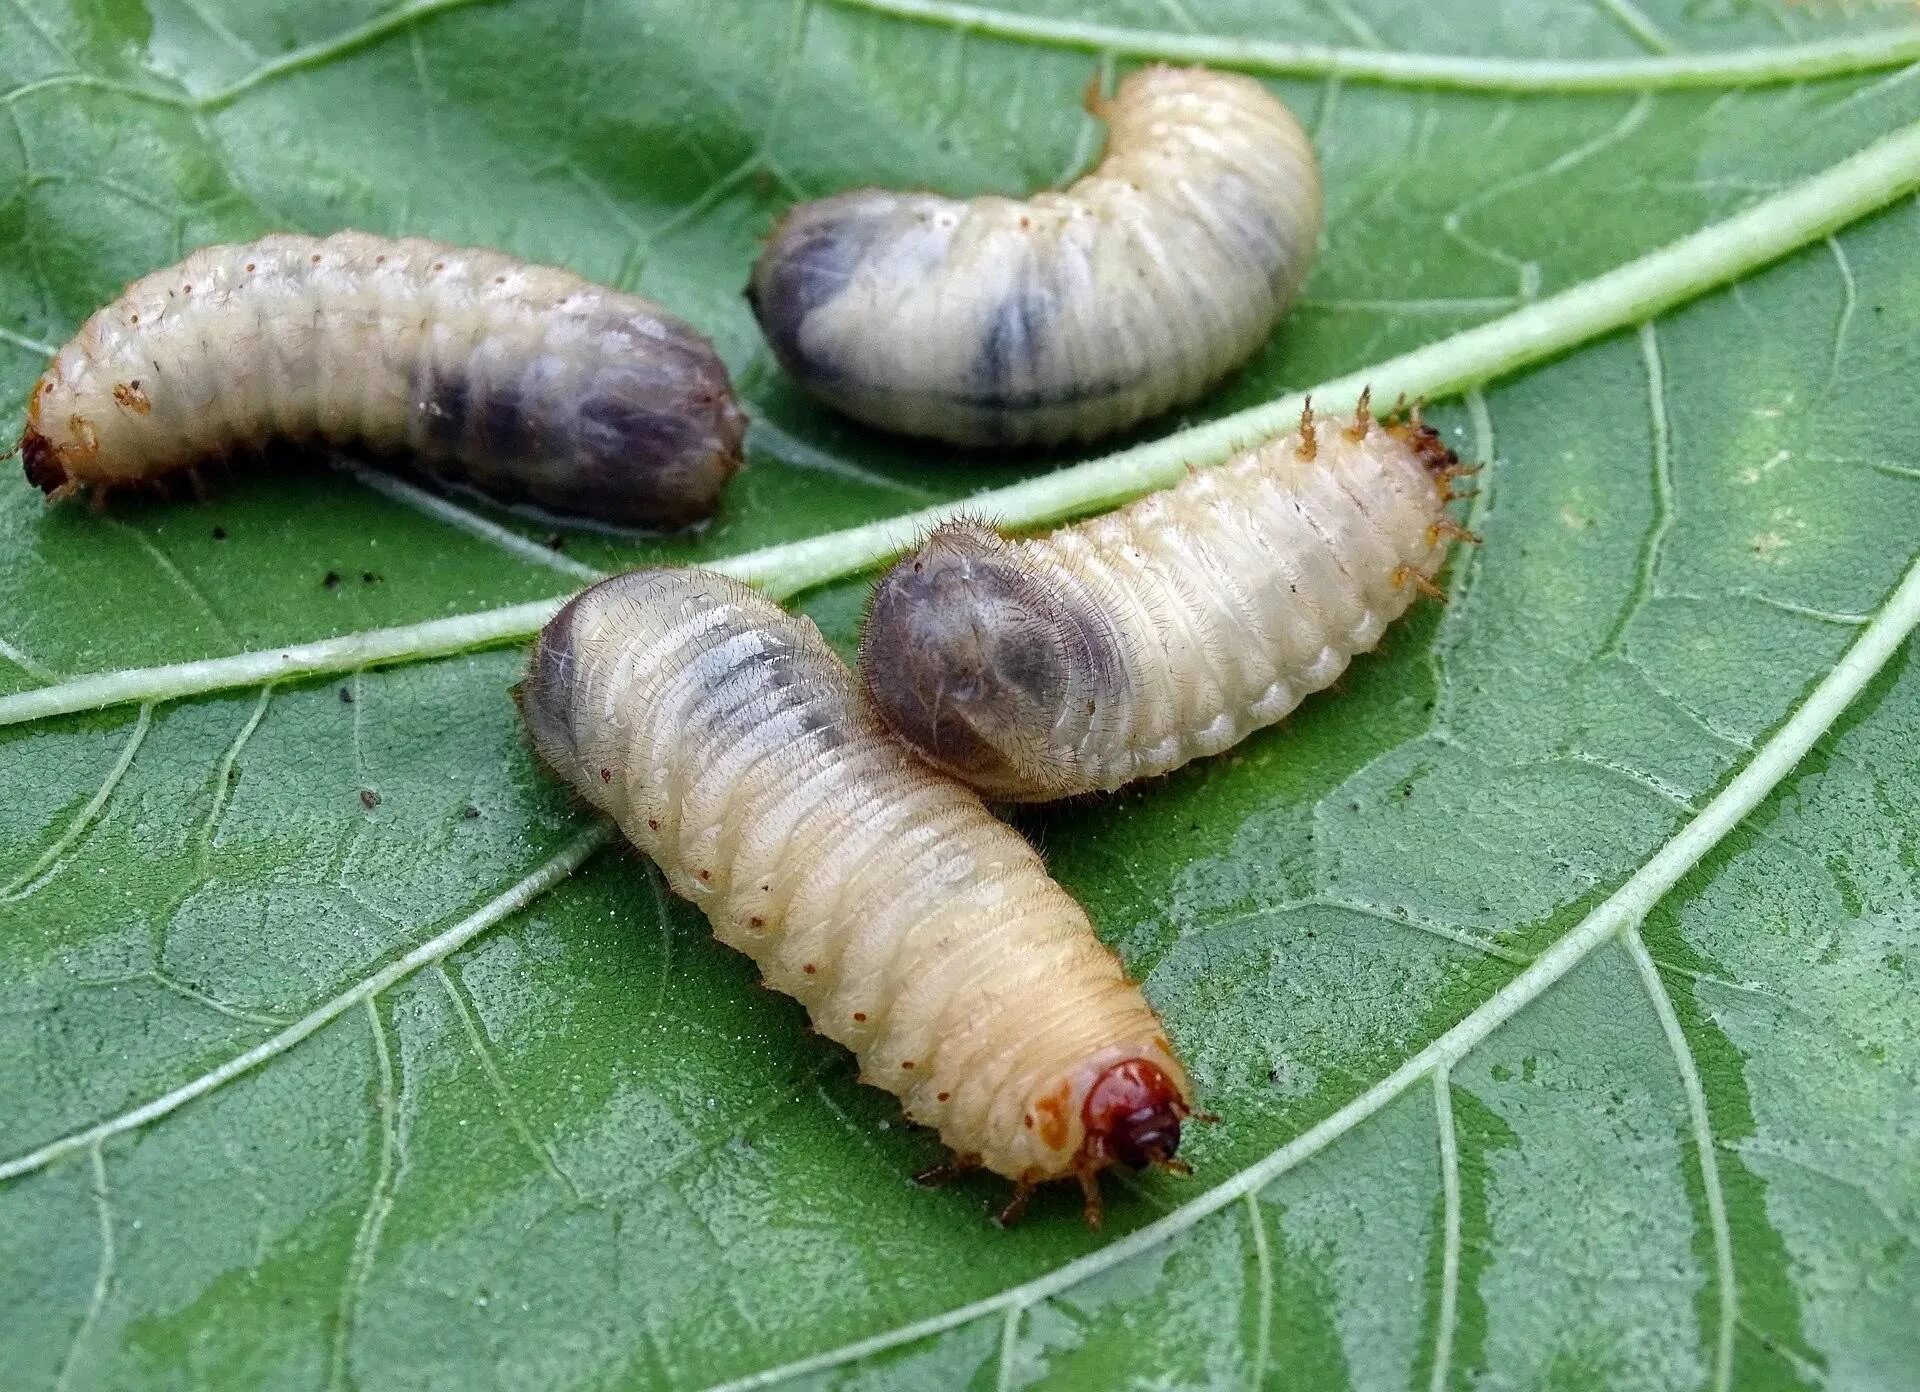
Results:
x,y
1555,978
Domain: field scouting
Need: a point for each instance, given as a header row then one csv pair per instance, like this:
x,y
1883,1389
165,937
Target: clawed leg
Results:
x,y
947,1171
1090,1191
1017,1205
1407,575
1447,527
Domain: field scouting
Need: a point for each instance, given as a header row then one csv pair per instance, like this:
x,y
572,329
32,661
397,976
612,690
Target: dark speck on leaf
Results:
x,y
556,542
470,812
219,533
346,695
331,580
367,577
369,799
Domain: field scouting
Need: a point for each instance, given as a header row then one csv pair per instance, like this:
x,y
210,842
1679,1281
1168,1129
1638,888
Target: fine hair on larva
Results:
x,y
1068,315
1123,646
733,747
525,382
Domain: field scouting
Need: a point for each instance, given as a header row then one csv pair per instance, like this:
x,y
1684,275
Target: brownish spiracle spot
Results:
x,y
758,922
1052,1113
606,775
250,268
42,463
942,1096
131,397
809,968
860,1016
906,1063
653,824
703,874
1132,1115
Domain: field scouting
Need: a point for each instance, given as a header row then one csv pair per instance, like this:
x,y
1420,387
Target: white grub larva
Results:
x,y
735,748
525,382
1069,315
1124,646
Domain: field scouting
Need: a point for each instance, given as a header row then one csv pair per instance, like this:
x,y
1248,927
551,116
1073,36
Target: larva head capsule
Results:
x,y
1132,1116
42,464
970,656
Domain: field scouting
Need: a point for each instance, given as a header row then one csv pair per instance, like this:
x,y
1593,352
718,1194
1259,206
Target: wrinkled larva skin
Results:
x,y
1126,645
733,747
524,381
1069,315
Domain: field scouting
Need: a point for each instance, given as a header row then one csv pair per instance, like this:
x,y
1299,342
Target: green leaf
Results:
x,y
1555,979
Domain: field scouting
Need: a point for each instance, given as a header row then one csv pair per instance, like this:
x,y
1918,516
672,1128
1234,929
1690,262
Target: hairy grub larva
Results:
x,y
524,381
732,746
1069,315
1123,646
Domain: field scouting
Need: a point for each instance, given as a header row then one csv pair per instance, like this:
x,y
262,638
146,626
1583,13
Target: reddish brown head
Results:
x,y
1132,1115
42,463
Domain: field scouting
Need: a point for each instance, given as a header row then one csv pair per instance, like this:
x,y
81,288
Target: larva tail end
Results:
x,y
41,463
1132,1116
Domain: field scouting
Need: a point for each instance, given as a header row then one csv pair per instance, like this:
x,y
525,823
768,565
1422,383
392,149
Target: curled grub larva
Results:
x,y
1126,645
524,381
1069,315
733,747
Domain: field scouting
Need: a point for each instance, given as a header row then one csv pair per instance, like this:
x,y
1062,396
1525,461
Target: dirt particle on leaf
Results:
x,y
330,581
369,799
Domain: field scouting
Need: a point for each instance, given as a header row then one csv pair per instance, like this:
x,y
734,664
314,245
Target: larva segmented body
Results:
x,y
525,381
1069,315
1126,645
735,749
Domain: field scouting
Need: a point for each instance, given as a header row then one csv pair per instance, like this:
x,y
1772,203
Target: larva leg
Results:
x,y
1090,1197
1407,575
1015,1208
934,1176
1122,647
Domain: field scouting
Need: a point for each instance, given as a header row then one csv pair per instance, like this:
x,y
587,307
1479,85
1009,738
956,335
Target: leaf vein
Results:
x,y
30,880
544,877
1704,1149
1745,67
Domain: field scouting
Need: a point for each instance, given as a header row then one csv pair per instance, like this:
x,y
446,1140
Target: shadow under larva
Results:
x,y
1068,315
733,747
1127,645
524,382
